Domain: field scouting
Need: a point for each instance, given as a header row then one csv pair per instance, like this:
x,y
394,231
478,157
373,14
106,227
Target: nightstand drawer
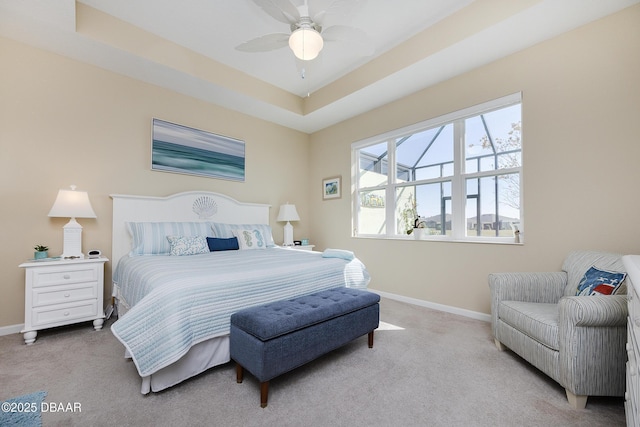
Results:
x,y
59,276
63,314
63,294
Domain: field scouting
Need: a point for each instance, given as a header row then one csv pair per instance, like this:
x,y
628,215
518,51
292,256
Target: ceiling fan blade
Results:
x,y
265,43
280,10
319,9
345,34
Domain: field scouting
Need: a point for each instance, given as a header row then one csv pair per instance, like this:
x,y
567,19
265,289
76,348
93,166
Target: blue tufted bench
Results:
x,y
269,340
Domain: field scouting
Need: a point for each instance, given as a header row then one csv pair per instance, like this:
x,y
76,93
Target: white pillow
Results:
x,y
249,238
188,245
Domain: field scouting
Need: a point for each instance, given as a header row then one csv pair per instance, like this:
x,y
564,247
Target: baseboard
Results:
x,y
11,329
441,307
15,329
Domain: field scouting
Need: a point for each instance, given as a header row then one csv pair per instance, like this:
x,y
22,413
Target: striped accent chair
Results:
x,y
579,341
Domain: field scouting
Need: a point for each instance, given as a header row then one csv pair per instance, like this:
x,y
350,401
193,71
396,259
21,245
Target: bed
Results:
x,y
174,311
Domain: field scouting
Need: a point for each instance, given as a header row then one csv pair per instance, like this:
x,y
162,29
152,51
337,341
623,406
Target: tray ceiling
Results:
x,y
189,47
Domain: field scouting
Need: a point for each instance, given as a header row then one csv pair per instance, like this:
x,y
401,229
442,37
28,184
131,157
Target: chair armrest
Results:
x,y
592,333
596,310
544,287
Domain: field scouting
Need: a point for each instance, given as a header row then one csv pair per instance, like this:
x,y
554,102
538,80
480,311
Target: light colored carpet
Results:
x,y
428,369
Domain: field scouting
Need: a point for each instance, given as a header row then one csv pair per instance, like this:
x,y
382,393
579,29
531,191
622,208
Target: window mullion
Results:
x,y
494,172
458,193
355,195
390,193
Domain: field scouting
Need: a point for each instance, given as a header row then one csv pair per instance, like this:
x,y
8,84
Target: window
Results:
x,y
458,176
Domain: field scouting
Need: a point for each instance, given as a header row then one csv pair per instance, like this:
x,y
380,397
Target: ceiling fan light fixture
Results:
x,y
306,43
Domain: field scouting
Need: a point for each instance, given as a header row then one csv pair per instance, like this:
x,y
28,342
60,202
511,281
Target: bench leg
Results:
x,y
264,386
239,373
264,394
371,339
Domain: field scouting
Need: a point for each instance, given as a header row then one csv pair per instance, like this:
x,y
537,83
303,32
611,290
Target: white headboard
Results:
x,y
187,206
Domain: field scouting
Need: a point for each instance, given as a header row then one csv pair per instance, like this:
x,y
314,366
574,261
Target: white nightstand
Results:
x,y
62,292
303,247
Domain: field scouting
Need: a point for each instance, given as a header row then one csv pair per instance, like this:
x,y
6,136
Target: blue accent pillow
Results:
x,y
217,244
600,282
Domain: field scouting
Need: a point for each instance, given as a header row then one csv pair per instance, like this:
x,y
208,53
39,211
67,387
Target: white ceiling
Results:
x,y
416,43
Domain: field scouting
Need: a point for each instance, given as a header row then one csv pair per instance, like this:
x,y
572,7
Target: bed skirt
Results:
x,y
199,358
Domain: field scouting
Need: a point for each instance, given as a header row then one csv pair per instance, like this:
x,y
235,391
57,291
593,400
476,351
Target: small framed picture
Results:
x,y
331,188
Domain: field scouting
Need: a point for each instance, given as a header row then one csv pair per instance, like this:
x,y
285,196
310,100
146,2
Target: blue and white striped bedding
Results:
x,y
179,301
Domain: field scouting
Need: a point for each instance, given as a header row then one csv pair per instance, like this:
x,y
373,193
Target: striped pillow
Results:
x,y
225,231
150,238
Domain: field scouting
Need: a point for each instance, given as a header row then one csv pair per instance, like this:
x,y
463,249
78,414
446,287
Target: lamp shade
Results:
x,y
288,213
306,43
72,204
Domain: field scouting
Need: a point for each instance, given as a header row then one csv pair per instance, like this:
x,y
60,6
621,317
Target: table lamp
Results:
x,y
72,204
288,213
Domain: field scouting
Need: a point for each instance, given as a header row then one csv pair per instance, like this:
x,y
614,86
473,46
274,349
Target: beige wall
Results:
x,y
63,122
581,136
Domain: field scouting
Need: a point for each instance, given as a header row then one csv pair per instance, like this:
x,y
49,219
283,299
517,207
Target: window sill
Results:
x,y
503,241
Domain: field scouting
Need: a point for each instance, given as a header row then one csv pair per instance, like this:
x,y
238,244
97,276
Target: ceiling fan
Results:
x,y
307,35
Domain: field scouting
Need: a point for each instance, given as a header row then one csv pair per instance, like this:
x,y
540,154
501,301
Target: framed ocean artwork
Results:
x,y
181,149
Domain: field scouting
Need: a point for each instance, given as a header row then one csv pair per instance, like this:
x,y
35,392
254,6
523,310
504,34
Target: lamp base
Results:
x,y
288,235
72,243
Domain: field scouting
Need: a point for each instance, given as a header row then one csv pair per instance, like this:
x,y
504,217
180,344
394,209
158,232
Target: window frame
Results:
x,y
458,179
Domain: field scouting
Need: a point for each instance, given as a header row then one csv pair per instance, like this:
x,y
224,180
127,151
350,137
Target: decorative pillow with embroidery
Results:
x,y
600,282
188,245
250,238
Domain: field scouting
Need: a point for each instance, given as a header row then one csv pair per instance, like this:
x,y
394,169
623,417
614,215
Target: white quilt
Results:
x,y
179,301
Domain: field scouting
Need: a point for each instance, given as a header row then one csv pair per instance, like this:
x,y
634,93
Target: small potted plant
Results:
x,y
41,252
409,214
419,228
410,219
